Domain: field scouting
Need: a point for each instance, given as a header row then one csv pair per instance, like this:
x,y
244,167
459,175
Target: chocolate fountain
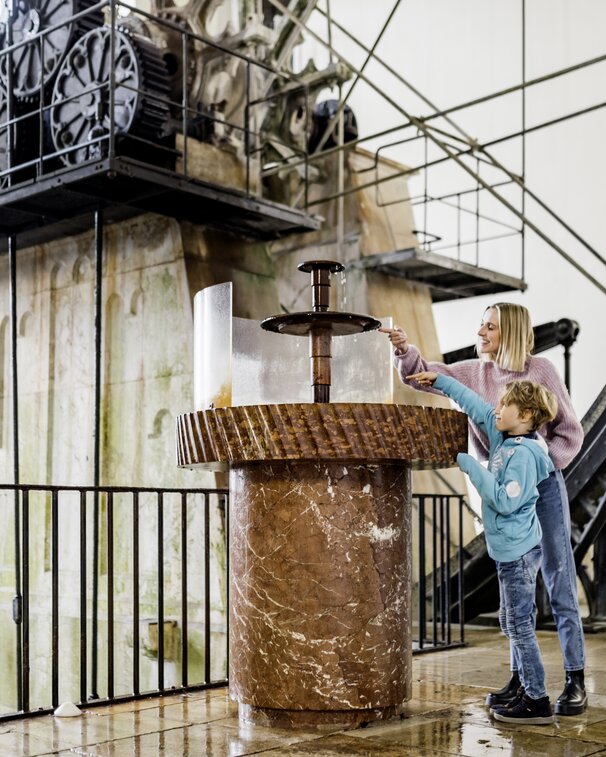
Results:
x,y
320,529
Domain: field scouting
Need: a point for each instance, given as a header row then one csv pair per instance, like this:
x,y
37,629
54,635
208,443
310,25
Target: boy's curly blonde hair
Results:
x,y
529,396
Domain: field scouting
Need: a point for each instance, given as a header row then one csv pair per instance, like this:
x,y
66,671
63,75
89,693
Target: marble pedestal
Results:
x,y
320,591
320,551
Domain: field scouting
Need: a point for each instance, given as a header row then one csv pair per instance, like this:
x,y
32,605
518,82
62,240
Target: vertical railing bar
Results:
x,y
247,145
83,634
97,447
206,589
160,591
25,603
112,79
422,586
184,101
461,586
425,195
184,626
439,572
443,537
136,593
306,175
40,166
227,582
94,694
458,226
110,594
478,213
434,579
447,597
55,597
10,143
12,263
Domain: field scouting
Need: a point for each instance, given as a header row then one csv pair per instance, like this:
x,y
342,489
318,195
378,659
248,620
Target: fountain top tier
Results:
x,y
320,324
320,317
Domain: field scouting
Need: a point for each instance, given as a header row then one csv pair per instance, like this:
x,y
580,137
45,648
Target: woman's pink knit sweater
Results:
x,y
564,435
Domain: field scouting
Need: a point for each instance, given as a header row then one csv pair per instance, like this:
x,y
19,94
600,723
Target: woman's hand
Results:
x,y
398,338
425,378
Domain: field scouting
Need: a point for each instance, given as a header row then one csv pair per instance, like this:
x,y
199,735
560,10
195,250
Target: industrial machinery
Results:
x,y
87,81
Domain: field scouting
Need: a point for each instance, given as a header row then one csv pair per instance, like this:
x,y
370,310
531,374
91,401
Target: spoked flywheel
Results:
x,y
80,112
36,63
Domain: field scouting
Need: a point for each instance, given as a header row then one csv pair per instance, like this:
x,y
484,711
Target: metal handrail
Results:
x,y
60,561
439,587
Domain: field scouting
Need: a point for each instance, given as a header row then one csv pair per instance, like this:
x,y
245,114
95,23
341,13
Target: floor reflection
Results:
x,y
446,716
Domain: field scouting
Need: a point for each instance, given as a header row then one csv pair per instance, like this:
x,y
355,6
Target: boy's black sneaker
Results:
x,y
508,693
527,711
518,698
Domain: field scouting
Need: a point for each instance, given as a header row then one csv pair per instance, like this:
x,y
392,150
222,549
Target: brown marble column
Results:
x,y
320,591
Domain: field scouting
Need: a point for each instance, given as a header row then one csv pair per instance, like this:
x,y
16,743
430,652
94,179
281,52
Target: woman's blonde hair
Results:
x,y
516,337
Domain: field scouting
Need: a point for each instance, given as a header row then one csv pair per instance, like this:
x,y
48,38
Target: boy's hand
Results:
x,y
398,338
425,378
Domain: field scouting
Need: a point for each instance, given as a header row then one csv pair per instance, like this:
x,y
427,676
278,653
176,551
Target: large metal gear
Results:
x,y
36,63
80,117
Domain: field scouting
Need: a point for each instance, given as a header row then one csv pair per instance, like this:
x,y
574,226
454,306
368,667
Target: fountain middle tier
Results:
x,y
304,323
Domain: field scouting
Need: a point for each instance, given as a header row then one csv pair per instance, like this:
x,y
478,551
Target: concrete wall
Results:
x,y
152,268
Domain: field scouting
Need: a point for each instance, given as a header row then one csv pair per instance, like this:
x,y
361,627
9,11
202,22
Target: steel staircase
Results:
x,y
586,484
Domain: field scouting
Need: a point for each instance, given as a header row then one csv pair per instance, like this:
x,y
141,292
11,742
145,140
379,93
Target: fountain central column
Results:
x,y
320,340
320,336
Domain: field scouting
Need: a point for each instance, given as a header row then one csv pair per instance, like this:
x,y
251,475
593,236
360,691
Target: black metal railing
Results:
x,y
80,636
162,540
439,587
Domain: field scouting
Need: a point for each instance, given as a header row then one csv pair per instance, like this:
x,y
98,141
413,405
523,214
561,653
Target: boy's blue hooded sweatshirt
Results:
x,y
516,464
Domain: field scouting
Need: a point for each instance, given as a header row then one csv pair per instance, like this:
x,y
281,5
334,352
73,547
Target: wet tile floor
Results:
x,y
446,716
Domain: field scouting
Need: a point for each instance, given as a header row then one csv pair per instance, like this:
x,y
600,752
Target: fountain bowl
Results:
x,y
303,323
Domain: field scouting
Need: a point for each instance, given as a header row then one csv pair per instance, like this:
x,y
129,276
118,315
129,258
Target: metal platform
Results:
x,y
61,203
447,278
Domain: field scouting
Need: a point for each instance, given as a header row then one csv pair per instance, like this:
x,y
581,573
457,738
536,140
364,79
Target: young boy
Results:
x,y
518,461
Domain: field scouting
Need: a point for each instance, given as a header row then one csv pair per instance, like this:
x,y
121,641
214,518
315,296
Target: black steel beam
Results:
x,y
57,204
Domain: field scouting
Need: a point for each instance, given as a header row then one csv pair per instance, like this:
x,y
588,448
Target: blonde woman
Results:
x,y
505,341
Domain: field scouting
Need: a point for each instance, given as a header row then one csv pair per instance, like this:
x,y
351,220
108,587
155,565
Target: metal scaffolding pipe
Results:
x,y
330,126
419,123
478,100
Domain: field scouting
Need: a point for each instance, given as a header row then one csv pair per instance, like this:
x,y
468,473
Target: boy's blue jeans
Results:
x,y
517,610
559,571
